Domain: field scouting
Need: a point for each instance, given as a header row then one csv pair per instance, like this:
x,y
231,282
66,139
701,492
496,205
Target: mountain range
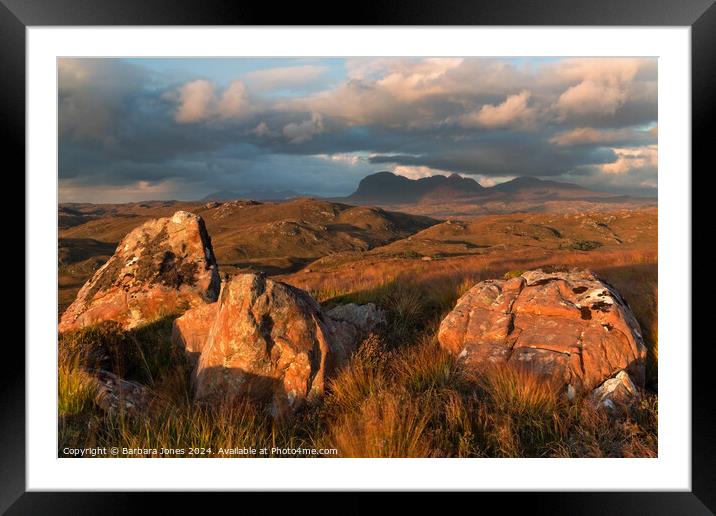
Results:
x,y
389,188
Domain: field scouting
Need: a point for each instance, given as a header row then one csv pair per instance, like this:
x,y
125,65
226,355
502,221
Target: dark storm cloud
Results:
x,y
127,131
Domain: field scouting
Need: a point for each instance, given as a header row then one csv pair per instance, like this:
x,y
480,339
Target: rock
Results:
x,y
568,326
164,266
350,324
190,331
616,394
116,396
269,341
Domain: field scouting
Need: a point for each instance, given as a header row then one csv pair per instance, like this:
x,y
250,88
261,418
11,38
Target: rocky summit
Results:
x,y
164,266
268,341
570,327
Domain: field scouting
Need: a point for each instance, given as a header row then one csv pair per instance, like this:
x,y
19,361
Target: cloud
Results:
x,y
629,159
303,131
352,159
419,80
418,172
195,99
590,135
514,111
234,102
285,78
603,85
93,95
262,131
328,122
198,101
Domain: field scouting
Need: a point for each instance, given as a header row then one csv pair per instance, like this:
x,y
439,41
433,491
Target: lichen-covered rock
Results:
x,y
269,341
164,266
568,326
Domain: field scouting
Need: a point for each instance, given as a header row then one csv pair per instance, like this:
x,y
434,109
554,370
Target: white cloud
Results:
x,y
234,101
630,159
198,102
304,131
195,98
602,85
349,159
514,111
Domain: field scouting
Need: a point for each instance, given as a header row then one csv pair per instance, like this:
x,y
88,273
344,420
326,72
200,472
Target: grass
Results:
x,y
638,285
399,396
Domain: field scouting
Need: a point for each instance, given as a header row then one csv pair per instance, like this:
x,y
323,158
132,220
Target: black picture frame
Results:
x,y
700,15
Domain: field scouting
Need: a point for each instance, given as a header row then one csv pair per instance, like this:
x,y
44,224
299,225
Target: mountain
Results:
x,y
534,187
386,187
259,195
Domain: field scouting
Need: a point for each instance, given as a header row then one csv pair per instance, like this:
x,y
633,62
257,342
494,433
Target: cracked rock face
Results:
x,y
163,266
268,341
567,326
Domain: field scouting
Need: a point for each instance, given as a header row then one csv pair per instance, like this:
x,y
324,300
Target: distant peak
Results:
x,y
527,179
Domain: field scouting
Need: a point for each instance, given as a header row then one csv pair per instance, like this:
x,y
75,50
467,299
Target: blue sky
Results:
x,y
157,128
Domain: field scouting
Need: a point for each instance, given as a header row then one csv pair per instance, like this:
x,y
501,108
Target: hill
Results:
x,y
534,187
273,237
258,195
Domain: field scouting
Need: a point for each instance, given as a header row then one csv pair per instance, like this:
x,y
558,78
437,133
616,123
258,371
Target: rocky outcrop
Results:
x,y
568,326
164,266
269,341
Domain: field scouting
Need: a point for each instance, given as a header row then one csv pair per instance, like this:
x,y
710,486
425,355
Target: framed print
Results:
x,y
421,251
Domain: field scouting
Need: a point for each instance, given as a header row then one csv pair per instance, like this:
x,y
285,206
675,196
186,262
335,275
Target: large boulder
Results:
x,y
164,266
268,341
191,330
569,327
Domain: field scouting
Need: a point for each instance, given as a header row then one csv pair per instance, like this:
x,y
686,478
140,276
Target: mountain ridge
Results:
x,y
388,187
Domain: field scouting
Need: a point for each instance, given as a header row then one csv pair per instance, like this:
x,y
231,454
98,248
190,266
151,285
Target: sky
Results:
x,y
181,128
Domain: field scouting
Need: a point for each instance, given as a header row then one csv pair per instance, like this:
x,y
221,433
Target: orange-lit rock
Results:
x,y
162,267
567,326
